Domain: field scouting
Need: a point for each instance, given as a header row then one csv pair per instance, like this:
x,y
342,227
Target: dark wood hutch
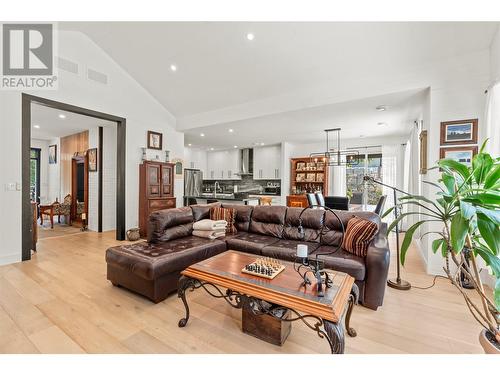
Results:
x,y
308,175
156,190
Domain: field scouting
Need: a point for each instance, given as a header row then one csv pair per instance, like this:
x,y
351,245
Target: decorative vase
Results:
x,y
133,234
488,345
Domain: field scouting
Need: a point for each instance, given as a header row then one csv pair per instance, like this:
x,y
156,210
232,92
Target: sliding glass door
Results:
x,y
364,164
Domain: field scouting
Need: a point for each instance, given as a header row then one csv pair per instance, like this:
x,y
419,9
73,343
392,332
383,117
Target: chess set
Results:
x,y
267,268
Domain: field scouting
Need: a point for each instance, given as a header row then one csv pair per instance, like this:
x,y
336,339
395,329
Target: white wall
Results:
x,y
495,57
121,96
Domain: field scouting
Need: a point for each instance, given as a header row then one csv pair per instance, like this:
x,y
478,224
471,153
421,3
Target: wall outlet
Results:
x,y
11,186
18,186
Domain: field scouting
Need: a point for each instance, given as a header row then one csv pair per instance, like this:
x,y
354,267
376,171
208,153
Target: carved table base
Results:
x,y
332,332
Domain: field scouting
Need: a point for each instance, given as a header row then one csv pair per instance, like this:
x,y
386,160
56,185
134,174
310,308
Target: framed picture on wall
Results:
x,y
92,154
459,132
178,168
155,140
53,154
461,154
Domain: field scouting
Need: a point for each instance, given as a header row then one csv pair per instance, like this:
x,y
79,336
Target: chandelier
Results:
x,y
336,156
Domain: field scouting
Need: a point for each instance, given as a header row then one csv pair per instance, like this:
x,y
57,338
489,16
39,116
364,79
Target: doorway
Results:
x,y
27,218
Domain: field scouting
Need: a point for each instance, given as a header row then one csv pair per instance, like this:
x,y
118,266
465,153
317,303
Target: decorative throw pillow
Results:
x,y
228,214
358,235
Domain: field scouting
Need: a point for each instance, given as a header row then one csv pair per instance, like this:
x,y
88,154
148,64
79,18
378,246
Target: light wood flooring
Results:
x,y
61,302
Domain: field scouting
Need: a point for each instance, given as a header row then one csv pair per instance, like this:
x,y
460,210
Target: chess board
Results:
x,y
267,268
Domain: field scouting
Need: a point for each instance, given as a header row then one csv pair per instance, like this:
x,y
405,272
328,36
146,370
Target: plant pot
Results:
x,y
133,234
487,341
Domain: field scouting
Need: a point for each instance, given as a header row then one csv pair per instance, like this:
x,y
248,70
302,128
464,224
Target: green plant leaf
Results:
x,y
493,177
490,198
436,244
493,215
387,212
407,240
398,220
459,229
491,260
489,231
455,166
467,210
449,182
481,165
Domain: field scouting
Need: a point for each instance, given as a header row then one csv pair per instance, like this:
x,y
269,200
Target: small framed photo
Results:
x,y
459,132
463,154
92,154
53,154
155,140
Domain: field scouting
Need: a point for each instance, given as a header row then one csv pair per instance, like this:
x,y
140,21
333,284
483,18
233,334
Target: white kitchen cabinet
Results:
x,y
196,159
222,165
267,163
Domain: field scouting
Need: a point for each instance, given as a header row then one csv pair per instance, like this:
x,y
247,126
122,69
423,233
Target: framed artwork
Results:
x,y
92,154
461,154
155,140
178,168
53,154
423,151
459,132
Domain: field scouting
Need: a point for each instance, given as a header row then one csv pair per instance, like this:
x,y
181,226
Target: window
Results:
x,y
35,175
367,165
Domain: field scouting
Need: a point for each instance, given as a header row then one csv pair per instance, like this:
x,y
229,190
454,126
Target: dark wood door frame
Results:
x,y
74,186
121,124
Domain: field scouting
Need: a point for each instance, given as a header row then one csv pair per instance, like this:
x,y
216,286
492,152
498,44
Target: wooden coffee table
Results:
x,y
324,315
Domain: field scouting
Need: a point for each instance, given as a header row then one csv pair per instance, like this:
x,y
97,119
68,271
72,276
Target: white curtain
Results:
x,y
493,120
411,172
391,160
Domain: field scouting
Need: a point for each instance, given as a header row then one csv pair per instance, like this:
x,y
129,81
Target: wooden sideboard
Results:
x,y
156,190
297,201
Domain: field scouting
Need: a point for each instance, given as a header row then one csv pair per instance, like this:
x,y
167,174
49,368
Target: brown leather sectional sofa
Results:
x,y
153,268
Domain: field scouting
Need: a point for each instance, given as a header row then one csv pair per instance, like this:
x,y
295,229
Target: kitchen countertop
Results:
x,y
222,198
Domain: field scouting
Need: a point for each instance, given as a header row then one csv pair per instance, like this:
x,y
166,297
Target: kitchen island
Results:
x,y
223,198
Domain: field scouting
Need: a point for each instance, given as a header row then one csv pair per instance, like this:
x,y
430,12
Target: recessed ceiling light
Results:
x,y
262,143
211,148
36,126
235,146
61,115
381,108
381,123
189,144
202,134
250,36
173,68
230,130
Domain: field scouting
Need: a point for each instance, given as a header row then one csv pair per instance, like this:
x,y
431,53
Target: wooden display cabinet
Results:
x,y
308,175
156,190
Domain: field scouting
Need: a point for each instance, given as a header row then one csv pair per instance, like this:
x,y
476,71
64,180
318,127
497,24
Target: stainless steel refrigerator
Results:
x,y
193,182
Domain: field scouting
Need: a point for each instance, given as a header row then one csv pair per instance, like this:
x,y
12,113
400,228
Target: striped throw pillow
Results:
x,y
228,214
358,235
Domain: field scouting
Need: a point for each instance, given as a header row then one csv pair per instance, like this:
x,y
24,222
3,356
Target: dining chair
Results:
x,y
337,203
311,199
379,209
320,199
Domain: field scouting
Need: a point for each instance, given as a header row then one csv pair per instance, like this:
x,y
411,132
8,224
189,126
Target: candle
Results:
x,y
302,251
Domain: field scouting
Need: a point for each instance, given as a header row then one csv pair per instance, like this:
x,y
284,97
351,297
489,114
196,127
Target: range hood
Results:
x,y
246,162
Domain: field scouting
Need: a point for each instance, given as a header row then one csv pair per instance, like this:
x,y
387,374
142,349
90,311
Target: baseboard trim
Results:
x,y
10,258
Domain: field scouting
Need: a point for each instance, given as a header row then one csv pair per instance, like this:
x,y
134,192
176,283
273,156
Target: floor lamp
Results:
x,y
398,283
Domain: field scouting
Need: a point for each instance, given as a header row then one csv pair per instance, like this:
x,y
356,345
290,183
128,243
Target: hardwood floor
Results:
x,y
61,302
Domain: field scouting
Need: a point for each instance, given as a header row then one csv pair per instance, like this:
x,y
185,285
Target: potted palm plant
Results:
x,y
467,207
